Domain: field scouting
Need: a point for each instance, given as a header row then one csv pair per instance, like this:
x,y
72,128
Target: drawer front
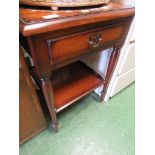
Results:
x,y
69,46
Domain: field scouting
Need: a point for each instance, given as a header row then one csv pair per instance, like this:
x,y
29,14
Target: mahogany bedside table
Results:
x,y
56,40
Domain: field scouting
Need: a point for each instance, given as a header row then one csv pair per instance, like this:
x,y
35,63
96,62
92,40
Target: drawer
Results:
x,y
73,45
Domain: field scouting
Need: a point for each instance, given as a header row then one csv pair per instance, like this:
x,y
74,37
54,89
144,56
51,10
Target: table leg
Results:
x,y
111,65
48,94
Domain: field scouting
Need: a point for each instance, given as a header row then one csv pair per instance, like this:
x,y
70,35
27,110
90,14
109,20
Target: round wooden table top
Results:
x,y
63,3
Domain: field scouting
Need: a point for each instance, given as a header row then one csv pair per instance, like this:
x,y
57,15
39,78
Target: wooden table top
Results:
x,y
34,20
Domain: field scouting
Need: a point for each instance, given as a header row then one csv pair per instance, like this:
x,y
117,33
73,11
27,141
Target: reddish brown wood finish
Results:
x,y
68,86
60,49
40,21
31,118
111,64
48,94
58,38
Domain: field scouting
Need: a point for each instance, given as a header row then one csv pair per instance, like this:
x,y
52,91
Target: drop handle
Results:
x,y
95,39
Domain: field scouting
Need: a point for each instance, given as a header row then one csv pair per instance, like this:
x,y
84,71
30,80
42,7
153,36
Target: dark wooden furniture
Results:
x,y
56,41
31,118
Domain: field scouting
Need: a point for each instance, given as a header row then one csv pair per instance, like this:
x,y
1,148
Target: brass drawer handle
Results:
x,y
95,39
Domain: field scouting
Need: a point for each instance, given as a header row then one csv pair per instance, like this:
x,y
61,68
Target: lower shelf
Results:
x,y
72,82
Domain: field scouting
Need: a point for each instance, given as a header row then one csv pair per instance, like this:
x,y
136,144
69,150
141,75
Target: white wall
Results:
x,y
98,61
